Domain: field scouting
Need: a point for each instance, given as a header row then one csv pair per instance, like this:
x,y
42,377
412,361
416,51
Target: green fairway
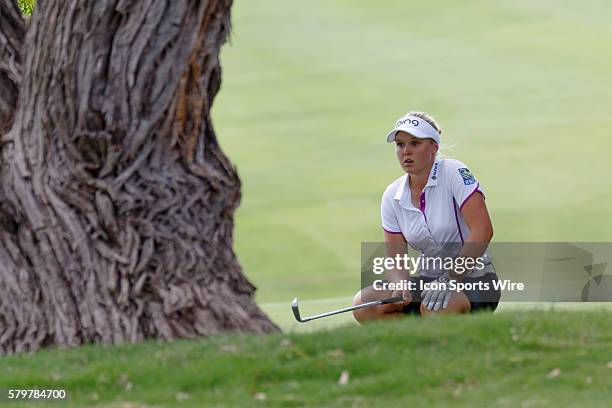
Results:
x,y
522,90
503,360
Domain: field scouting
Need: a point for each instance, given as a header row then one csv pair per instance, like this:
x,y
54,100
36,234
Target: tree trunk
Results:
x,y
117,199
12,33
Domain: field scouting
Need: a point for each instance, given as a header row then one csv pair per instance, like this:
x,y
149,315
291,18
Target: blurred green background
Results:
x,y
521,89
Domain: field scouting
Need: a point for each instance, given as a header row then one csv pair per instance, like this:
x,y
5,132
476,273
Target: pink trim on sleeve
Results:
x,y
476,190
392,232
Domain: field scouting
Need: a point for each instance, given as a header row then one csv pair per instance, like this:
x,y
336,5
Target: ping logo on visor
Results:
x,y
413,122
414,126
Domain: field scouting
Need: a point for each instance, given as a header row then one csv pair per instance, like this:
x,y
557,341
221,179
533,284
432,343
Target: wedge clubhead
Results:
x,y
296,310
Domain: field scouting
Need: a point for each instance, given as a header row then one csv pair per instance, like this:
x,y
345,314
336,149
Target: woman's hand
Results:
x,y
437,299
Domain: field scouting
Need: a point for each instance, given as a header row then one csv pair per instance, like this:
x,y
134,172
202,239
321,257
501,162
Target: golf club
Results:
x,y
296,309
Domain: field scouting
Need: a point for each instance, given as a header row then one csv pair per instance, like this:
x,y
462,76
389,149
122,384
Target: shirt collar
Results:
x,y
401,189
434,175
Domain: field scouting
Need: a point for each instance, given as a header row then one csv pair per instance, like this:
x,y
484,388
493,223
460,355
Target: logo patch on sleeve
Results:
x,y
468,177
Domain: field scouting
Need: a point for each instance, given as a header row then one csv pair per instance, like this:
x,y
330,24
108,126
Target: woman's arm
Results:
x,y
476,216
395,244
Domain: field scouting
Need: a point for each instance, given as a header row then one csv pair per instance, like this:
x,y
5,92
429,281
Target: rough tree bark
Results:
x,y
12,33
117,202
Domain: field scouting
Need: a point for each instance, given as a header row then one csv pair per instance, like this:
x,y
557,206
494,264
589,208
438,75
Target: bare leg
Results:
x,y
369,294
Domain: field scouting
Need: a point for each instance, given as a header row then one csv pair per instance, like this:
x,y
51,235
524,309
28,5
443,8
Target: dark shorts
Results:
x,y
480,300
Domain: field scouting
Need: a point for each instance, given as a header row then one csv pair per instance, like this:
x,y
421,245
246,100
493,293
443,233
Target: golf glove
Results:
x,y
437,299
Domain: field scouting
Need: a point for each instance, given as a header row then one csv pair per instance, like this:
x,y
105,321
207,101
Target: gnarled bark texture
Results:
x,y
12,33
117,201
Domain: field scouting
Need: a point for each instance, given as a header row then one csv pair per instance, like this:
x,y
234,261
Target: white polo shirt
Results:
x,y
438,219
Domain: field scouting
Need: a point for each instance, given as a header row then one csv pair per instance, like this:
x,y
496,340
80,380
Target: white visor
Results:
x,y
416,127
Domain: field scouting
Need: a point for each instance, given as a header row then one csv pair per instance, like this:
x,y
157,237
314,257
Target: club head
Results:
x,y
296,309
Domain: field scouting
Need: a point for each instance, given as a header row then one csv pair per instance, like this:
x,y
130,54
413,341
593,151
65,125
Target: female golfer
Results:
x,y
438,208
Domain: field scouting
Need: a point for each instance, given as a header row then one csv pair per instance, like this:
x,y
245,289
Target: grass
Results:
x,y
309,90
558,358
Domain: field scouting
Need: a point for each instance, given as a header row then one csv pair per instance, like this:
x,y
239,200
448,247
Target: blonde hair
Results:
x,y
430,119
427,118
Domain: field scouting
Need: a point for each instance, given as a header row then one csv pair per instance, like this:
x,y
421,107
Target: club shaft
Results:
x,y
348,309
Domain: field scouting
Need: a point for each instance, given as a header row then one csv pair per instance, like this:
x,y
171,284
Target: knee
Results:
x,y
360,314
369,313
374,312
357,299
